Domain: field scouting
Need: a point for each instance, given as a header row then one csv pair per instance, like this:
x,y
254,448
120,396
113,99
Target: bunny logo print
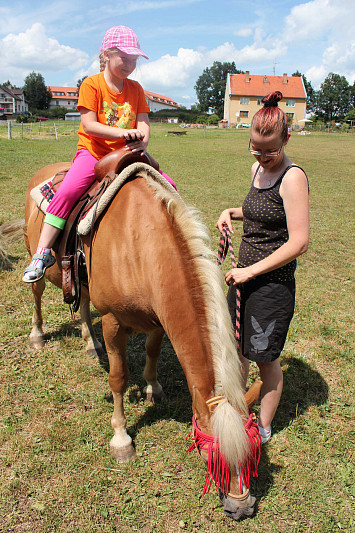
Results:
x,y
260,341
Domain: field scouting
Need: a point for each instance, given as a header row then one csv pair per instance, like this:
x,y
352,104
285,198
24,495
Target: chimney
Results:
x,y
284,79
265,80
247,76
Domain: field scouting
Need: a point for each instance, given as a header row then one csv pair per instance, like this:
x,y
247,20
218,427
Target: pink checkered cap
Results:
x,y
124,39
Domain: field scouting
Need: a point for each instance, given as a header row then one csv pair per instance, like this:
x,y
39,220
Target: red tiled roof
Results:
x,y
64,90
258,87
160,98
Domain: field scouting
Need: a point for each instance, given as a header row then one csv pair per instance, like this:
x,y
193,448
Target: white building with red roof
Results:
x,y
157,102
63,97
68,97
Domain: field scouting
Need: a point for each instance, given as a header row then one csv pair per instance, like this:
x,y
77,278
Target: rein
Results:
x,y
226,244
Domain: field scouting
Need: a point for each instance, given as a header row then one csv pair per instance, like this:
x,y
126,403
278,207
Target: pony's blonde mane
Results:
x,y
227,422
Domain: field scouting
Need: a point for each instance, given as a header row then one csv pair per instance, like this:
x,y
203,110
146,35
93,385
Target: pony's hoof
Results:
x,y
37,343
153,396
239,514
237,510
123,455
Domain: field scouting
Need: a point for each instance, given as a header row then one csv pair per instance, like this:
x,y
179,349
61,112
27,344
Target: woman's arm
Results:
x,y
294,192
226,217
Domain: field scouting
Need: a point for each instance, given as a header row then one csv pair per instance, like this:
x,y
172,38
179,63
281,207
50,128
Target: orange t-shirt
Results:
x,y
113,109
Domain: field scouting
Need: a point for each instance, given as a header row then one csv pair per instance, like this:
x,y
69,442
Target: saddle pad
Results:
x,y
149,174
43,193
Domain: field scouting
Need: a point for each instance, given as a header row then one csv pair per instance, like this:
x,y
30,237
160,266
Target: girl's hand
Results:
x,y
224,218
238,276
134,141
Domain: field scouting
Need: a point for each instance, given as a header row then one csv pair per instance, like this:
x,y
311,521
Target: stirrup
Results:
x,y
48,261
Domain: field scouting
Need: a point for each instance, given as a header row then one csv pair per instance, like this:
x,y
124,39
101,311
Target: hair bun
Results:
x,y
272,99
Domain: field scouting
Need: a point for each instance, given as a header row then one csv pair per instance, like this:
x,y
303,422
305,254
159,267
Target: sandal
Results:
x,y
38,272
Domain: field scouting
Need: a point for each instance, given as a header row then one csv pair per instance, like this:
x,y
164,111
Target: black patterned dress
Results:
x,y
267,301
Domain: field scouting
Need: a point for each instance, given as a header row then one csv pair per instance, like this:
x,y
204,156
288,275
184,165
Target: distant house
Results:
x,y
244,93
68,97
157,102
12,101
63,97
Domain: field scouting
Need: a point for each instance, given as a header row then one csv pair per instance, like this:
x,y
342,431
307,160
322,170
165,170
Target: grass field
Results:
x,y
56,472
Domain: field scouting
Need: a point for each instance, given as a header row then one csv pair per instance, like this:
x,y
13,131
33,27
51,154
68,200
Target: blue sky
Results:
x,y
61,39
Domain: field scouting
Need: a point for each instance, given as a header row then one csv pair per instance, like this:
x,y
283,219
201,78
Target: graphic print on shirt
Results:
x,y
260,341
119,115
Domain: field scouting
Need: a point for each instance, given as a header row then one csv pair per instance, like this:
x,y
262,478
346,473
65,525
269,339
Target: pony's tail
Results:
x,y
9,232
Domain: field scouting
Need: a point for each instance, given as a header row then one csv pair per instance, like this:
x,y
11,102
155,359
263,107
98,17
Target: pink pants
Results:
x,y
78,179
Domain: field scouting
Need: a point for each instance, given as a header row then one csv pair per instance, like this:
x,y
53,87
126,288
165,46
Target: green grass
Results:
x,y
56,472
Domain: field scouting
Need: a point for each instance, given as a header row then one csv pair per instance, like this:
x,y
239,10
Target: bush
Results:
x,y
213,119
22,118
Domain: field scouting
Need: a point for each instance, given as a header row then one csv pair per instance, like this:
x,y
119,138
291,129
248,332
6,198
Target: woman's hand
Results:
x,y
224,219
238,276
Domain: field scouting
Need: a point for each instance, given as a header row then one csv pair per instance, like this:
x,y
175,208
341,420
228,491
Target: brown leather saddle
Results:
x,y
69,245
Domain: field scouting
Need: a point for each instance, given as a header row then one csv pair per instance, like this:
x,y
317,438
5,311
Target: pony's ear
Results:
x,y
199,407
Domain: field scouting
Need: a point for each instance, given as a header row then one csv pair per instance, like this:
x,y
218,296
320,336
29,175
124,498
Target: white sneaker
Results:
x,y
265,434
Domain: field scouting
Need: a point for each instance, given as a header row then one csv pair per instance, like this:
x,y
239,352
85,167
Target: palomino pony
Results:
x,y
151,271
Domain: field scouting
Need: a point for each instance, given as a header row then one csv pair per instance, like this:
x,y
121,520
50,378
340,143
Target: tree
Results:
x,y
311,93
333,100
351,115
7,84
80,82
211,87
36,93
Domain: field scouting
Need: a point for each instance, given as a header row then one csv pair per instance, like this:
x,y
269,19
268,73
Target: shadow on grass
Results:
x,y
303,387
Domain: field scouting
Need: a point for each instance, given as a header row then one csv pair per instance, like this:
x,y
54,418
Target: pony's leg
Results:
x,y
36,335
115,339
153,390
93,346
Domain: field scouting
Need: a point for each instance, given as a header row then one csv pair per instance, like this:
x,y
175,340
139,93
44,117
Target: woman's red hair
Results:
x,y
270,118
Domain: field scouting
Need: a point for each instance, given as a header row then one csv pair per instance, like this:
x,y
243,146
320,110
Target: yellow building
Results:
x,y
244,93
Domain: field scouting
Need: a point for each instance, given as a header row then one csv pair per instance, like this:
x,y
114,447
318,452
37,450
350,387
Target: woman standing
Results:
x,y
276,231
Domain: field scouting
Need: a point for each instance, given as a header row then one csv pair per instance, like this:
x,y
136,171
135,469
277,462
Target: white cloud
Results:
x,y
33,50
183,69
312,19
243,32
330,22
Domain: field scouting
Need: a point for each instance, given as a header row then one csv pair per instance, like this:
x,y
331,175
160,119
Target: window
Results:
x,y
259,102
290,103
244,113
244,100
290,115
